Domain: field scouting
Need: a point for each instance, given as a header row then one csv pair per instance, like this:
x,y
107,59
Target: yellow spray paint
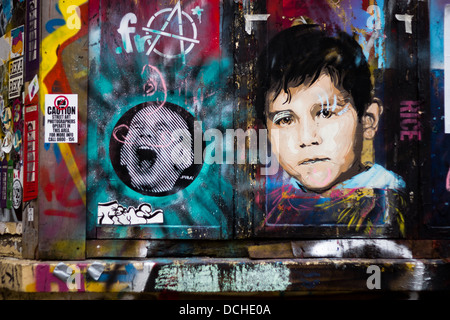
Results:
x,y
49,60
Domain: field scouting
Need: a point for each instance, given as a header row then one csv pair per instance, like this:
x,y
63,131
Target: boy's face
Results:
x,y
316,134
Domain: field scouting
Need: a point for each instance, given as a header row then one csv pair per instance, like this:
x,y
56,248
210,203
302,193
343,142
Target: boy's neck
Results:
x,y
356,169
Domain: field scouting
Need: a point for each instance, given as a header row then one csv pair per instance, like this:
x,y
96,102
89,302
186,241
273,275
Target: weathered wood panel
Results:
x,y
271,249
201,275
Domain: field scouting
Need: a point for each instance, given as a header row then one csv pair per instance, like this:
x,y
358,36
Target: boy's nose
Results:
x,y
147,135
150,137
307,133
156,138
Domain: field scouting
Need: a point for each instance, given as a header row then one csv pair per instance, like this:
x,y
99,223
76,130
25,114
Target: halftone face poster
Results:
x,y
154,78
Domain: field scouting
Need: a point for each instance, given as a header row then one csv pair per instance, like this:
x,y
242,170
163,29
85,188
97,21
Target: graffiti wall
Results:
x,y
236,119
12,135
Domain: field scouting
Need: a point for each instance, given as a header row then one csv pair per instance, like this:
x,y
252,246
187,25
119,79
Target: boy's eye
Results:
x,y
325,113
283,118
287,120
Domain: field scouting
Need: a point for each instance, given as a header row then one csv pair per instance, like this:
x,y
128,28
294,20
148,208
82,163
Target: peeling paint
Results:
x,y
258,278
208,278
354,248
186,278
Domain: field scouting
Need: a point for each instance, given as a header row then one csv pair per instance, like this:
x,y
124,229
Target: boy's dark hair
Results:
x,y
299,55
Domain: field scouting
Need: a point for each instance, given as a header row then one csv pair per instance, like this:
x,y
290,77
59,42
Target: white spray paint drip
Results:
x,y
387,249
420,277
258,278
334,104
417,283
250,18
186,278
344,248
407,18
340,113
140,279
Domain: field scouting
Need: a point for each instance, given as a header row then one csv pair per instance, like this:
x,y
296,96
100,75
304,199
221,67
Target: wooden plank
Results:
x,y
307,249
166,248
210,275
354,248
116,248
275,251
154,232
407,68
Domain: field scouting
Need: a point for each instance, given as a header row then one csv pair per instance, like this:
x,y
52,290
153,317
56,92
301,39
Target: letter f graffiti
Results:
x,y
125,30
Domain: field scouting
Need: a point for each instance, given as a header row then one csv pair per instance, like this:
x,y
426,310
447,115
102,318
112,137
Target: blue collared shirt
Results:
x,y
377,177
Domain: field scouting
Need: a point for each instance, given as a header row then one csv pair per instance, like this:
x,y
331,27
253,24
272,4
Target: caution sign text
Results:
x,y
61,118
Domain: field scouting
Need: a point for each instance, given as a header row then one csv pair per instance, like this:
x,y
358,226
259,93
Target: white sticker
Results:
x,y
61,118
15,78
33,87
30,214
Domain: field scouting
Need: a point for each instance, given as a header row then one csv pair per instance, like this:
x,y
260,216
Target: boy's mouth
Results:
x,y
313,161
145,153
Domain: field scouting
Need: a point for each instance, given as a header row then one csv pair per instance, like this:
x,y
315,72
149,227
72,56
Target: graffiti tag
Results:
x,y
409,124
112,213
154,33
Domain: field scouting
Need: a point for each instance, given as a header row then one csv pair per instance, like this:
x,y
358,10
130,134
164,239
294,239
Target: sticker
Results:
x,y
30,150
15,77
7,142
61,118
17,194
33,87
7,119
9,184
113,213
4,187
17,42
30,214
4,49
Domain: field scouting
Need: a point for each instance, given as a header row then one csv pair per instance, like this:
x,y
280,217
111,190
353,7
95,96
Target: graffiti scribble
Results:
x,y
112,213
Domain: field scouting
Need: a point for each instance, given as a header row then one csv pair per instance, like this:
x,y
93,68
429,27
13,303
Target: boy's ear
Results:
x,y
371,119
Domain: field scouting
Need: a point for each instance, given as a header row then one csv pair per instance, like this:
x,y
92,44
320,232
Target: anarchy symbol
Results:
x,y
180,36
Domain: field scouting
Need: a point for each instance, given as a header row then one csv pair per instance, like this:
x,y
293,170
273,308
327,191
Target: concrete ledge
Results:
x,y
206,275
269,249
